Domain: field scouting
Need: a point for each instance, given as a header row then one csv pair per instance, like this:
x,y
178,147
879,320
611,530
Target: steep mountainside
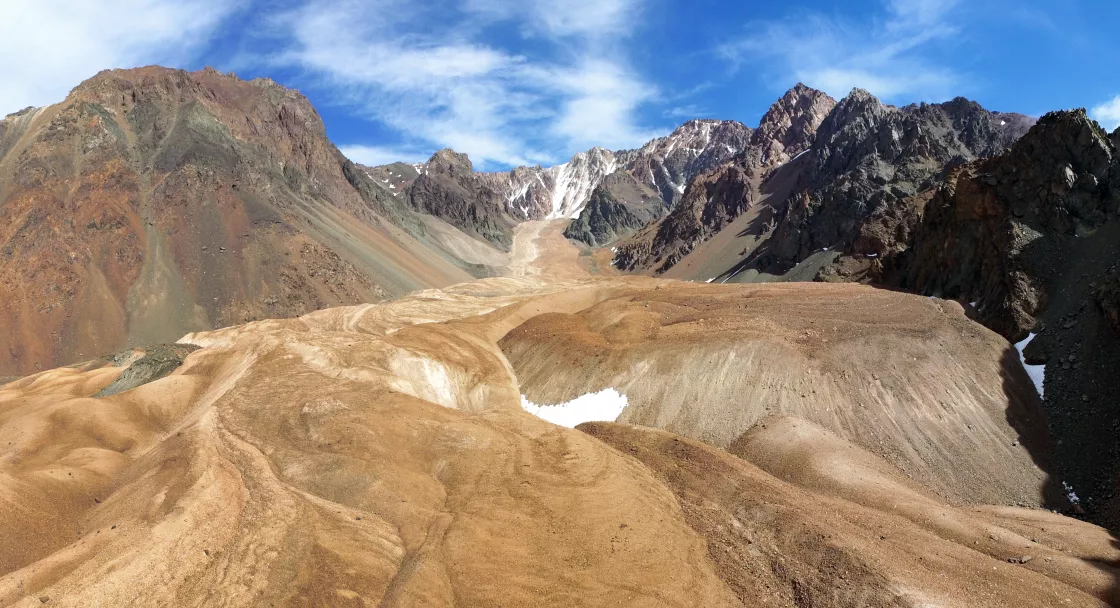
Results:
x,y
488,204
152,202
863,181
448,188
1032,239
668,164
715,198
619,206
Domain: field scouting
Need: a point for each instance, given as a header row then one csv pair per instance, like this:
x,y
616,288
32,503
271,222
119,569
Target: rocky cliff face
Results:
x,y
619,206
716,197
153,202
1032,239
449,189
788,128
870,162
497,200
669,164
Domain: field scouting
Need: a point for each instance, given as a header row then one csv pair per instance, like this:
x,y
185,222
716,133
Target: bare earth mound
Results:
x,y
379,455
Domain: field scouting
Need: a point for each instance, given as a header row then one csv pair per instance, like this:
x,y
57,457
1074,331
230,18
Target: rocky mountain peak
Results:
x,y
451,162
789,126
1063,173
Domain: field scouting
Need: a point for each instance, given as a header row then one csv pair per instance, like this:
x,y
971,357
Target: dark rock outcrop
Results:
x,y
715,198
618,207
869,164
1032,239
449,188
153,363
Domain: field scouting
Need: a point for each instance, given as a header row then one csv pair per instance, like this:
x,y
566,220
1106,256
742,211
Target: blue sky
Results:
x,y
533,81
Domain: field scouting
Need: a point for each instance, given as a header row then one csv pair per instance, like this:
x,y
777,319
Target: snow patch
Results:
x,y
1036,372
1070,494
603,406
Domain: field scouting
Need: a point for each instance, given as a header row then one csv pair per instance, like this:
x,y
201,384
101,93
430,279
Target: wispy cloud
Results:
x,y
382,155
1108,113
689,111
50,46
886,55
439,76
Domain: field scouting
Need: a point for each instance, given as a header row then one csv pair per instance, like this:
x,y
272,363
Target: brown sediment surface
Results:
x,y
379,455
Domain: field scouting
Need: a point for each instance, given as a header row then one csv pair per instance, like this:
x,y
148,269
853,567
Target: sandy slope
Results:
x,y
378,455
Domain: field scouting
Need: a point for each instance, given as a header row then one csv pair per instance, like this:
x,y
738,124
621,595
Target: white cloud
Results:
x,y
426,72
382,155
887,56
1108,113
49,46
688,112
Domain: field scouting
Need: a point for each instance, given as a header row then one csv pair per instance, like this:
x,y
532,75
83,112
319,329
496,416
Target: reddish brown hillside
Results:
x,y
152,202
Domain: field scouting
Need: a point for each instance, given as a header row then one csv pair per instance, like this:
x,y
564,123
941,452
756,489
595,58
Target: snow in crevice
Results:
x,y
1070,494
603,406
1036,372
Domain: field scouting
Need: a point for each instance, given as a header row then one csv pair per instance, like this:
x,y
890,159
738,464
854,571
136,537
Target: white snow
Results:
x,y
575,180
1036,372
1002,122
710,280
614,249
392,187
799,155
872,255
517,191
603,406
973,304
1073,497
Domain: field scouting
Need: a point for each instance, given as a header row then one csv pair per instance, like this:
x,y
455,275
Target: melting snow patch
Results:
x,y
1036,372
603,406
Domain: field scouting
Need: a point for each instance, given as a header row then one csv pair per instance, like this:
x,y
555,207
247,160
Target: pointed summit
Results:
x,y
789,126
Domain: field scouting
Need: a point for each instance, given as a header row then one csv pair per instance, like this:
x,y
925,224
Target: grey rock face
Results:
x,y
668,164
871,158
487,204
714,198
619,206
1032,237
449,189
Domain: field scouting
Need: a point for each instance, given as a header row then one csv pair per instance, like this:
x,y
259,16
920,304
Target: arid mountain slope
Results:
x,y
713,199
489,204
867,164
1032,239
152,202
619,206
379,455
